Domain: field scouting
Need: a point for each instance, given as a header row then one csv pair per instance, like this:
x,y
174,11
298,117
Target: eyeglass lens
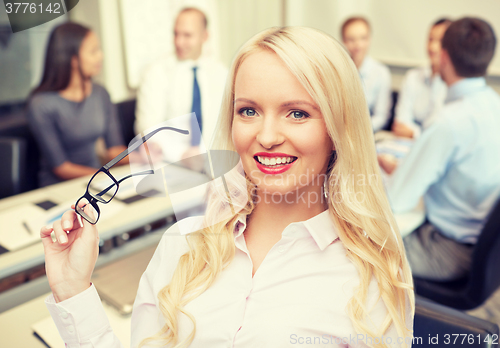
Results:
x,y
102,187
86,210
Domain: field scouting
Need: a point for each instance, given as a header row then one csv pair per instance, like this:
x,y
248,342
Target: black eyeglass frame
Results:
x,y
93,199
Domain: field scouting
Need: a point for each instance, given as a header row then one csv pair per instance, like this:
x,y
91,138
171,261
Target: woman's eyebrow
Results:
x,y
298,102
245,100
289,103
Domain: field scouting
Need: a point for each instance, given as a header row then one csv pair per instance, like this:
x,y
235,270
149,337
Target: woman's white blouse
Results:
x,y
297,297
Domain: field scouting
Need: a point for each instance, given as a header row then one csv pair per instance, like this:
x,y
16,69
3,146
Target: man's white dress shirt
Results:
x,y
298,294
376,79
166,92
420,99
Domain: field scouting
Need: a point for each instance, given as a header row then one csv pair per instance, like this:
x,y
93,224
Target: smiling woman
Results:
x,y
311,253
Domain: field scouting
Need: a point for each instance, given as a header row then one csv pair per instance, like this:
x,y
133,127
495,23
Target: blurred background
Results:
x,y
134,34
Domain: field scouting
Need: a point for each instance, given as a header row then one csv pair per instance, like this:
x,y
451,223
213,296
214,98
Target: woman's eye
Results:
x,y
248,112
298,115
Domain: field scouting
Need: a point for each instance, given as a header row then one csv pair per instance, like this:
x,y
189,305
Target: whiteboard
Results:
x,y
148,27
400,28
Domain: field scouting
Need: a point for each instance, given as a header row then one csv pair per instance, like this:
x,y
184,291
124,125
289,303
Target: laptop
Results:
x,y
117,282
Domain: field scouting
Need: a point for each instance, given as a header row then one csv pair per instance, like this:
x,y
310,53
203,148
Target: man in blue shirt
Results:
x,y
455,164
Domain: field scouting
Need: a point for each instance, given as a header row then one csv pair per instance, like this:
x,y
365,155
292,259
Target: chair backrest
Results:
x,y
13,157
436,325
15,125
485,271
126,115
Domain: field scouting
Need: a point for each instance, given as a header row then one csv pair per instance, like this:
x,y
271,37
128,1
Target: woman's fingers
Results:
x,y
61,235
69,220
45,234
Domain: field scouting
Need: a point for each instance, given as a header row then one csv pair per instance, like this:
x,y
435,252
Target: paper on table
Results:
x,y
15,233
47,330
396,147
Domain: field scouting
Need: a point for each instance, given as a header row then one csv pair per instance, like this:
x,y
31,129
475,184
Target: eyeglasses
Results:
x,y
104,179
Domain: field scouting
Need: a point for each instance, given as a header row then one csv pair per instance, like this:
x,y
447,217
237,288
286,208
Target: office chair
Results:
x,y
13,157
435,323
126,116
483,278
15,125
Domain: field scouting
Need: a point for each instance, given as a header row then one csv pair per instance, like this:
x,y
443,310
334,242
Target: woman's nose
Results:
x,y
271,133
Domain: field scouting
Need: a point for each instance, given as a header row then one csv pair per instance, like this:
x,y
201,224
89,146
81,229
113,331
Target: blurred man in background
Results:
x,y
423,91
183,84
454,164
376,78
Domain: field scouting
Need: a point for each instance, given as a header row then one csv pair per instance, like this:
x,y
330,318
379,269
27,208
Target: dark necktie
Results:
x,y
196,108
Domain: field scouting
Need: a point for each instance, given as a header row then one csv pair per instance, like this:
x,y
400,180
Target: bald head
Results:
x,y
190,32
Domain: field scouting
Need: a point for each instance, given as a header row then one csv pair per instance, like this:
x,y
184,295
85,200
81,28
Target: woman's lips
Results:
x,y
275,169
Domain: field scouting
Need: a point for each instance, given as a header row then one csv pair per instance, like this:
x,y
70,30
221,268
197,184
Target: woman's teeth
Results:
x,y
275,161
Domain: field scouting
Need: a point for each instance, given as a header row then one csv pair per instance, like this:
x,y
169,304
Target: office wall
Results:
x,y
241,19
21,58
103,16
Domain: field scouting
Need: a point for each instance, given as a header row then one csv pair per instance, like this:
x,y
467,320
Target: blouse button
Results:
x,y
64,315
71,329
281,249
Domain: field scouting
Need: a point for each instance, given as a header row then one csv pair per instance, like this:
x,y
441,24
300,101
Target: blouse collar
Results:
x,y
321,228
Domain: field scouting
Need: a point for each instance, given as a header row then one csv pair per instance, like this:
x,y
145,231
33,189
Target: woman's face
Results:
x,y
278,130
90,55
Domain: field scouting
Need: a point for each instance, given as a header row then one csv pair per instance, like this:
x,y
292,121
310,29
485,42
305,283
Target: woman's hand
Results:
x,y
70,260
402,130
388,163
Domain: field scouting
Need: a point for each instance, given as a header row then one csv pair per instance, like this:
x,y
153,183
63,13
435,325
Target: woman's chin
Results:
x,y
287,192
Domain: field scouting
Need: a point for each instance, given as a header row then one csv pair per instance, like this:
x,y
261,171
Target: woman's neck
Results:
x,y
273,214
74,91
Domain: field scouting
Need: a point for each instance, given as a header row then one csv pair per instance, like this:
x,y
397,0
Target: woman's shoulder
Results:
x,y
100,90
43,98
172,246
43,104
173,241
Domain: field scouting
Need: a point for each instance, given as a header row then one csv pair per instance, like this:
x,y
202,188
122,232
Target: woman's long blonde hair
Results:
x,y
357,201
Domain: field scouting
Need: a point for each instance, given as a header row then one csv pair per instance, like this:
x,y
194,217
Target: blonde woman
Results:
x,y
313,258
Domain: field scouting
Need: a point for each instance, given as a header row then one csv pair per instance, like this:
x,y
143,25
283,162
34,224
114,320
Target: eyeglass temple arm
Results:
x,y
134,146
124,178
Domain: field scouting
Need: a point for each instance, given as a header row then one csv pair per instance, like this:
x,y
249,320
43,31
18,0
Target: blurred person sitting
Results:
x,y
179,85
423,91
453,164
67,112
376,78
